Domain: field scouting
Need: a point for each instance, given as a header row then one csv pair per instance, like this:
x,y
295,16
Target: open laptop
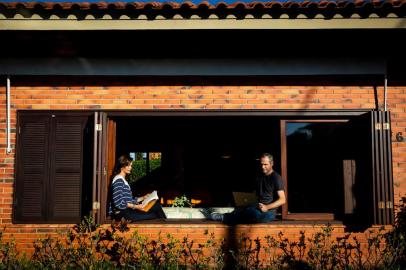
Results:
x,y
245,198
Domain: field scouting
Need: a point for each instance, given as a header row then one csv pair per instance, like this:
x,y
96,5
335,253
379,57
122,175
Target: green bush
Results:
x,y
11,259
88,246
139,168
396,239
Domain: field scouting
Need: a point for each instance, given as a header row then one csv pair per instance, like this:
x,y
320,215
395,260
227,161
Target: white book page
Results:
x,y
152,196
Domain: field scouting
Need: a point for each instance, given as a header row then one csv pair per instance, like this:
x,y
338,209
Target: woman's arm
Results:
x,y
137,206
134,206
122,196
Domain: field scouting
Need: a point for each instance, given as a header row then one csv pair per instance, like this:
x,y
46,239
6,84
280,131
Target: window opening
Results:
x,y
144,163
314,166
207,158
204,158
330,166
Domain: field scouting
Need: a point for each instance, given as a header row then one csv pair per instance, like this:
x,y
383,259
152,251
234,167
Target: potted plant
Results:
x,y
182,207
181,201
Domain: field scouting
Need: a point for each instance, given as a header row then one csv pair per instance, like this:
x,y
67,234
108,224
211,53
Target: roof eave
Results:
x,y
196,24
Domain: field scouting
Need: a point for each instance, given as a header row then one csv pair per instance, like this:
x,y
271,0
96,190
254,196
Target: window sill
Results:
x,y
181,221
191,213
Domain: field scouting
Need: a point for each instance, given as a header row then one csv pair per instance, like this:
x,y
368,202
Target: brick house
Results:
x,y
208,87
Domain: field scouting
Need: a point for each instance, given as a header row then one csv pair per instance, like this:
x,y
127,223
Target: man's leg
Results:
x,y
263,217
246,215
243,215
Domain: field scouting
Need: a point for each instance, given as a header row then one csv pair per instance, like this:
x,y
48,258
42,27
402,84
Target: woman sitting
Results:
x,y
123,205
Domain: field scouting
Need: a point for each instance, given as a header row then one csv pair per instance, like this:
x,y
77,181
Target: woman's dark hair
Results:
x,y
122,162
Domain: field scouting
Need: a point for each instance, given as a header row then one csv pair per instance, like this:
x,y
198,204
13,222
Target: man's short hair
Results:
x,y
269,156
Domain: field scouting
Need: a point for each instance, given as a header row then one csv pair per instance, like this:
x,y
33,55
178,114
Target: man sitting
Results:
x,y
271,195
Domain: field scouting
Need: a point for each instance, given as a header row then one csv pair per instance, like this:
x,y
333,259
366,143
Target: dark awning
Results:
x,y
191,66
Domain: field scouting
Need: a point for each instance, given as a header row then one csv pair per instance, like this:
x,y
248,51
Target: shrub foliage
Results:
x,y
89,246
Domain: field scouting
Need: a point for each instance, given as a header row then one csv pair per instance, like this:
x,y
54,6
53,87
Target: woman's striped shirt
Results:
x,y
121,193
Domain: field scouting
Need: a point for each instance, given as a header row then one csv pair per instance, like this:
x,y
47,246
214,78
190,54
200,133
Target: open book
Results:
x,y
149,201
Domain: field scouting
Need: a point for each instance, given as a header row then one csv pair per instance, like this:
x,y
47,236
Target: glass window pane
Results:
x,y
139,166
154,160
143,164
314,166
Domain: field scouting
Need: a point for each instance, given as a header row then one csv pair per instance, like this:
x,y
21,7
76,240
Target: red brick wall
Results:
x,y
25,235
193,97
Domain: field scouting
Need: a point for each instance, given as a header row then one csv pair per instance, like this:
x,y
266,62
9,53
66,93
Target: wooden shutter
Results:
x,y
367,170
371,181
382,168
107,160
32,169
103,153
49,172
65,183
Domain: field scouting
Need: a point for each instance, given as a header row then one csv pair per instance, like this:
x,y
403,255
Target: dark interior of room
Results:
x,y
205,158
209,157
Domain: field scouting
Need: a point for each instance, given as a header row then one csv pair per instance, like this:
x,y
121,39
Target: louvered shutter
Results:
x,y
382,168
373,187
32,169
65,183
49,172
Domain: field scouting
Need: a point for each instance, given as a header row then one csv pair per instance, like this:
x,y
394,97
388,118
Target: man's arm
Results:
x,y
280,201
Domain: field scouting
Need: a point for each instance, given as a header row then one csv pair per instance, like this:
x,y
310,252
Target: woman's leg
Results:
x,y
157,209
136,215
155,212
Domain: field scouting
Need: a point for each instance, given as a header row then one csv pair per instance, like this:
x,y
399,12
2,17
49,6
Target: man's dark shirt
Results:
x,y
267,187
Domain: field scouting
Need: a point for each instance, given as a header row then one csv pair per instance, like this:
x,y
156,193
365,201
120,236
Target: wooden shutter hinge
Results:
x,y
96,205
104,172
389,205
382,126
99,127
385,205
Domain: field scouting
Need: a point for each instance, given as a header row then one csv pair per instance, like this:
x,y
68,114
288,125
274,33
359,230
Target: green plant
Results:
x,y
396,238
322,251
294,253
247,254
88,246
270,249
77,250
10,257
181,201
207,255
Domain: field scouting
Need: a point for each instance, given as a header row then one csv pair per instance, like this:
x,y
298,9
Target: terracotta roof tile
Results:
x,y
205,8
160,5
